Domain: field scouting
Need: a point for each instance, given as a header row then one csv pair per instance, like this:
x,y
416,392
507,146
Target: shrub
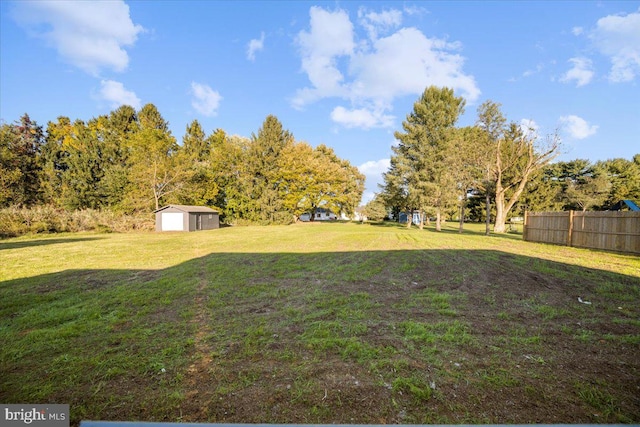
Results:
x,y
15,221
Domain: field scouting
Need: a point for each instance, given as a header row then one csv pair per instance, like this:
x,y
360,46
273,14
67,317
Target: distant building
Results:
x,y
320,214
186,218
416,217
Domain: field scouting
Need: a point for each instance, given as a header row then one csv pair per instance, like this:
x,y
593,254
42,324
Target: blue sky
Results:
x,y
340,73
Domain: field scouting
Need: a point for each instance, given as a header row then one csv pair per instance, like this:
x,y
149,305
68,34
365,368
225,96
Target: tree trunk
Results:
x,y
487,229
463,202
421,220
438,224
501,214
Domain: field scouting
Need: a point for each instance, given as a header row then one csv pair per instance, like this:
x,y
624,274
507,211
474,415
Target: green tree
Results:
x,y
422,154
54,159
375,209
584,185
544,192
10,171
230,174
341,184
624,178
154,172
20,148
195,144
263,163
194,157
302,176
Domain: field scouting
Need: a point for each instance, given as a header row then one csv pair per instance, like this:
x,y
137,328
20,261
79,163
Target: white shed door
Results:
x,y
172,221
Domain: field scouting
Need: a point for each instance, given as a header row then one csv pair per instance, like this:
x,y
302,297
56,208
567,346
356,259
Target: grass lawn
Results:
x,y
320,323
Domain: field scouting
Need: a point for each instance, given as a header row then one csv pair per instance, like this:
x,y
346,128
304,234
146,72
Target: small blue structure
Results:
x,y
624,205
416,217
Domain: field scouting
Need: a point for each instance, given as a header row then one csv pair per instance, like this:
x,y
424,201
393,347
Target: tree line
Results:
x,y
128,161
490,171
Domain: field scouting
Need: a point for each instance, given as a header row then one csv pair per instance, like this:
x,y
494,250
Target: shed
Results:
x,y
186,218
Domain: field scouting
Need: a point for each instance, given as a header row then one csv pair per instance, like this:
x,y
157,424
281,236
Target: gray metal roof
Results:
x,y
186,208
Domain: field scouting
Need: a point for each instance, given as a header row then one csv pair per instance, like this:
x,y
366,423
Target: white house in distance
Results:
x,y
186,218
320,214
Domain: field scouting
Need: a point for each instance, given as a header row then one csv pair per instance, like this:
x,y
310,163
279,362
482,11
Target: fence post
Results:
x,y
570,231
524,225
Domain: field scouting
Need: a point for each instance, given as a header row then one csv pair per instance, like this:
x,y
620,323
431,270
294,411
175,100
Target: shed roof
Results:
x,y
186,208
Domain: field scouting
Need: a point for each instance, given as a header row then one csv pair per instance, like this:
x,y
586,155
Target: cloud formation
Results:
x,y
371,70
116,94
577,127
89,35
581,72
205,100
255,45
618,38
361,118
375,22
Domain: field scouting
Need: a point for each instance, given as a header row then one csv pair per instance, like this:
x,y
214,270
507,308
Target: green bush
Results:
x,y
15,221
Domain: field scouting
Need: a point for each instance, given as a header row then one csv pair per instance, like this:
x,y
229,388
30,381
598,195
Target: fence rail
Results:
x,y
613,231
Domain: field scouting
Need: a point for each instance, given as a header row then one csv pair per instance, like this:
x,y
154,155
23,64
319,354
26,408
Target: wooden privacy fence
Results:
x,y
613,231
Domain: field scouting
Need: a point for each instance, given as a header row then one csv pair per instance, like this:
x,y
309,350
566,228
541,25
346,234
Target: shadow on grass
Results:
x,y
346,337
43,242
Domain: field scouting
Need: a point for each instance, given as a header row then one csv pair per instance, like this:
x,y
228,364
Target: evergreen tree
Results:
x,y
200,187
423,159
263,164
20,150
624,178
194,142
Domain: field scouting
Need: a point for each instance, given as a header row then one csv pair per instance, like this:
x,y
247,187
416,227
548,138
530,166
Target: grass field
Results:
x,y
320,323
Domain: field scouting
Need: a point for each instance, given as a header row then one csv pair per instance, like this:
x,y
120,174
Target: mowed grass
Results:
x,y
320,323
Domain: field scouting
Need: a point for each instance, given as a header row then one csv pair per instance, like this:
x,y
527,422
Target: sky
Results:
x,y
340,73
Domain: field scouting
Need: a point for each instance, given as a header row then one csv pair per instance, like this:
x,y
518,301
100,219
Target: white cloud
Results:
x,y
618,37
375,22
254,46
405,63
117,95
577,31
375,167
330,36
529,73
577,127
205,100
371,72
88,35
361,118
582,72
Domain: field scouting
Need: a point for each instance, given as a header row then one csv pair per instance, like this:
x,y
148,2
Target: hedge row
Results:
x,y
16,221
